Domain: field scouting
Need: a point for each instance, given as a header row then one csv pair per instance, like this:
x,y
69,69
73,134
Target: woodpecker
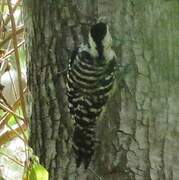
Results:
x,y
90,82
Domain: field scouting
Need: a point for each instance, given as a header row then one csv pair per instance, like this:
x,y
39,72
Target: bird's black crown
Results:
x,y
98,32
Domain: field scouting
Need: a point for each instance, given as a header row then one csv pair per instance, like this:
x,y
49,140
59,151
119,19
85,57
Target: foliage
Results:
x,y
13,92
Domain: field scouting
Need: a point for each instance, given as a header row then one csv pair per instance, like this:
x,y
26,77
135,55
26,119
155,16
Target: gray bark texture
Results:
x,y
139,133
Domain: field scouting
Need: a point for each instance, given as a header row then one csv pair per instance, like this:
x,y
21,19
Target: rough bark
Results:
x,y
139,132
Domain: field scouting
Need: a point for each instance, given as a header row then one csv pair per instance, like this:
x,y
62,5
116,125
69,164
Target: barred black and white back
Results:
x,y
90,81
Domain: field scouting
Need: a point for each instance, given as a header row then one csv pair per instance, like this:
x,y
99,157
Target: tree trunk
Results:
x,y
139,132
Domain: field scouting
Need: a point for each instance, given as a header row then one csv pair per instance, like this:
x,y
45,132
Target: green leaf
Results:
x,y
38,172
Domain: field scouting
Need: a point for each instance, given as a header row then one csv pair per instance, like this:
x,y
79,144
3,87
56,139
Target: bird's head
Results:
x,y
100,38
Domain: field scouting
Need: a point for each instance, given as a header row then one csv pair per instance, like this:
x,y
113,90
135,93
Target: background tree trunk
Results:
x,y
140,132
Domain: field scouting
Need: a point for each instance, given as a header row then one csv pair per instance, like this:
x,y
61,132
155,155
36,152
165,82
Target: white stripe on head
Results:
x,y
92,44
109,54
107,41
